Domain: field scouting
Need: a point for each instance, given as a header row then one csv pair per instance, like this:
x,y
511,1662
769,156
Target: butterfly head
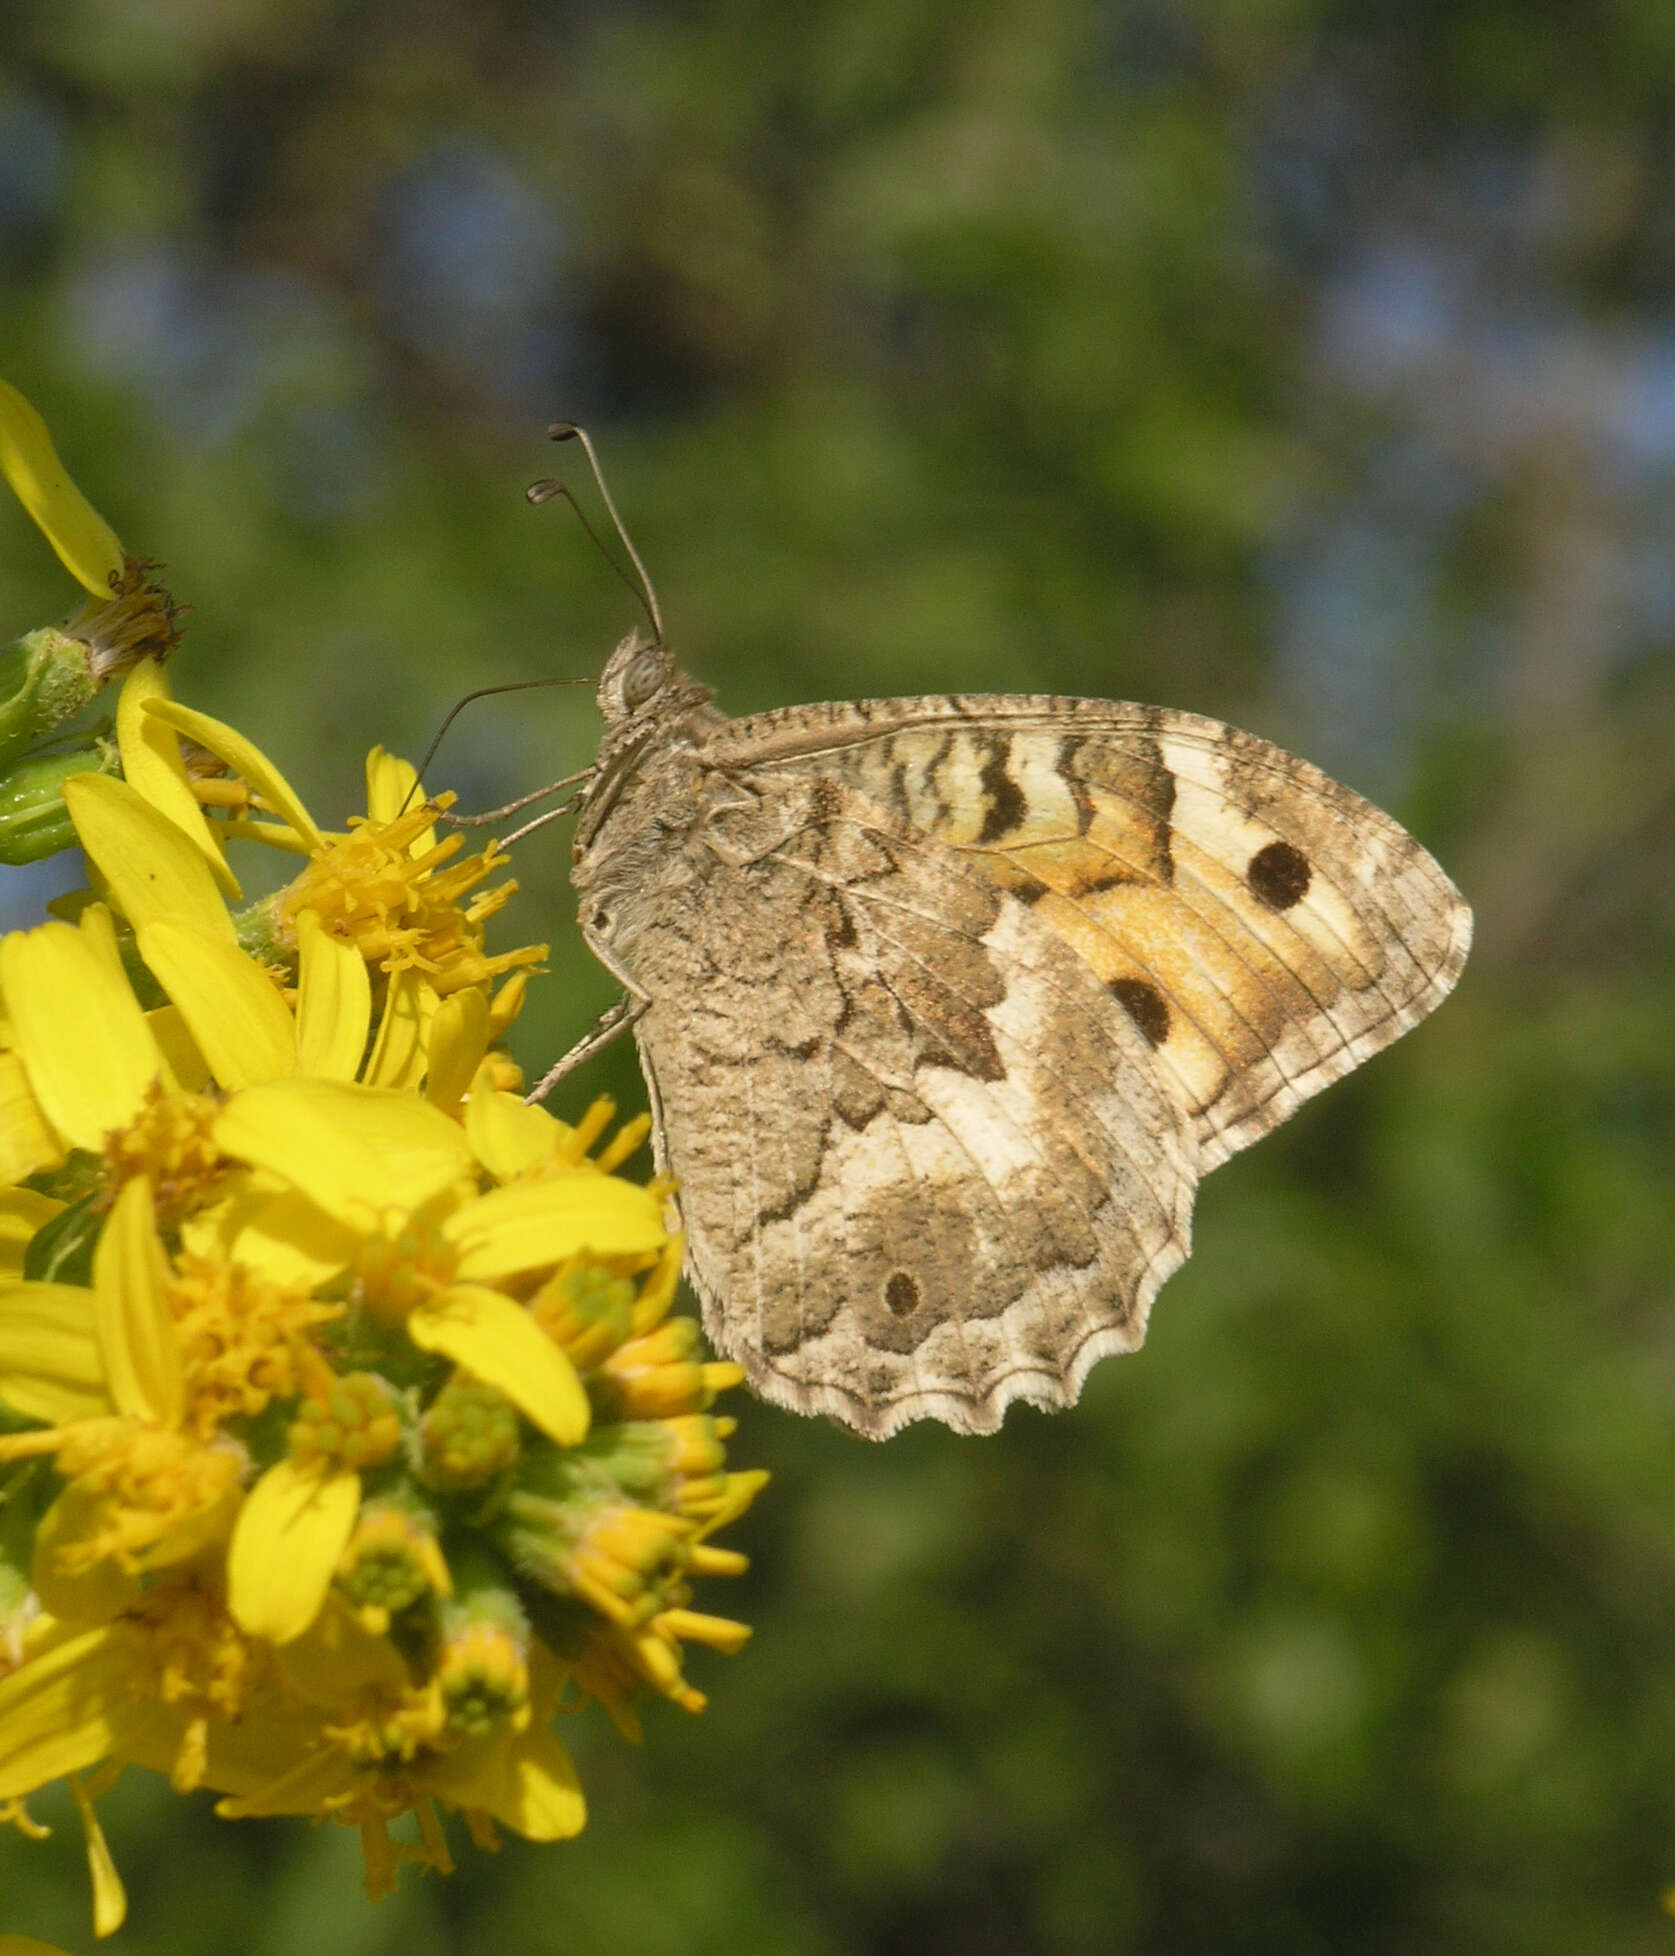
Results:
x,y
635,674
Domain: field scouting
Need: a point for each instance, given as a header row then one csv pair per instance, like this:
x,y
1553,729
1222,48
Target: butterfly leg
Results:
x,y
451,819
608,1026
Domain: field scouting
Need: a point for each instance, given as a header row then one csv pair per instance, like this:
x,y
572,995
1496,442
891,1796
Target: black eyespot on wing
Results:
x,y
901,1293
1278,875
1145,1005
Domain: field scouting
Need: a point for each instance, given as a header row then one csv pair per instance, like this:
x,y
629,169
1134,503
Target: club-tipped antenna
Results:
x,y
459,706
548,490
571,431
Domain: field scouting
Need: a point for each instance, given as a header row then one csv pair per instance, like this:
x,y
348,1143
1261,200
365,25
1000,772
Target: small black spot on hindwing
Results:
x,y
1145,1005
1278,875
901,1293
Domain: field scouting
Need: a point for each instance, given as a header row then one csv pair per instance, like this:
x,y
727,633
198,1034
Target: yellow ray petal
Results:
x,y
85,542
26,1141
398,1053
245,758
277,1233
68,1585
151,868
179,1049
110,1899
334,1002
337,1658
248,1754
289,1535
507,1135
498,1341
50,1366
151,762
391,785
78,1031
459,1037
59,1711
98,929
237,1019
22,1212
28,1946
135,1330
528,1224
529,1786
313,1786
348,1148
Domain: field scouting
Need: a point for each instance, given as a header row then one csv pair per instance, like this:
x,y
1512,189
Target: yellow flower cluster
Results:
x,y
345,1434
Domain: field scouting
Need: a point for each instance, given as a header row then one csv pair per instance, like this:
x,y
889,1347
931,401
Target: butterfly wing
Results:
x,y
1264,927
925,1165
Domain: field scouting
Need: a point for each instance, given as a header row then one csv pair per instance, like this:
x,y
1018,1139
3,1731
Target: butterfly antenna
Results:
x,y
459,706
548,490
570,431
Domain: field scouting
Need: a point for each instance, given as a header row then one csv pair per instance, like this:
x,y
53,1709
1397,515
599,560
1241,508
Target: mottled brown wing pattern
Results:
x,y
947,1003
926,1166
1265,928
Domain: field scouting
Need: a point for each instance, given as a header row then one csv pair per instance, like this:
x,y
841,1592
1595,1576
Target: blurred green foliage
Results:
x,y
1308,364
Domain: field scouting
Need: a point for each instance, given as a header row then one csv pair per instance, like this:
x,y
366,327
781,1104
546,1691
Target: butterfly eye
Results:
x,y
645,675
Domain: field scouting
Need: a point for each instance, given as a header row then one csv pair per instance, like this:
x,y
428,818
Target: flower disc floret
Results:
x,y
400,897
586,1311
397,1270
351,1420
171,1141
482,1670
392,1561
243,1339
468,1436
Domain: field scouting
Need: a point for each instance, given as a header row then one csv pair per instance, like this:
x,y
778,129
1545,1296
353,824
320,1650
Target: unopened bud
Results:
x,y
34,823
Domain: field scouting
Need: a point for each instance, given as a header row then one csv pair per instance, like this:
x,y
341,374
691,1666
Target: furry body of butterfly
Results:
x,y
945,1005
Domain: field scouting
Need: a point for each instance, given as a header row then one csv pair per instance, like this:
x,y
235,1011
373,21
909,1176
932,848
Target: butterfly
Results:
x,y
945,1006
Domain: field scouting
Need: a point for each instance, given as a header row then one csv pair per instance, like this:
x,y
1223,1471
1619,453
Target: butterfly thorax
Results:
x,y
645,800
650,710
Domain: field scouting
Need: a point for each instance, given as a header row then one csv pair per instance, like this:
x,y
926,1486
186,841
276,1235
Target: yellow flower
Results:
x,y
84,1061
345,1434
306,1645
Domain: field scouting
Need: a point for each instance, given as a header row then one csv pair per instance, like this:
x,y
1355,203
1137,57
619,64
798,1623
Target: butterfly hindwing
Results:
x,y
925,1164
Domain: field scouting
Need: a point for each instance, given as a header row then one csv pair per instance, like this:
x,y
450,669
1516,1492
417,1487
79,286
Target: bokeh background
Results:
x,y
1307,364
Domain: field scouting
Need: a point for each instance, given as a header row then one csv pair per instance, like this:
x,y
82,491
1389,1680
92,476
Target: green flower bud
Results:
x,y
393,1558
468,1436
586,1312
49,675
34,823
353,1422
482,1665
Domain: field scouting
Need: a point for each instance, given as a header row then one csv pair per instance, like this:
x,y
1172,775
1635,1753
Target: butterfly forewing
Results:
x,y
1265,927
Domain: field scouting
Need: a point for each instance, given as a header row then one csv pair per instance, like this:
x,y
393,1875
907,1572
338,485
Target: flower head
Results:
x,y
346,1437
